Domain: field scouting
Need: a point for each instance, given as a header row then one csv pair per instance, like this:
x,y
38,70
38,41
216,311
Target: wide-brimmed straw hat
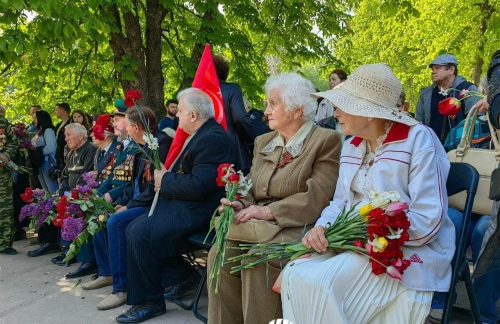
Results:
x,y
372,90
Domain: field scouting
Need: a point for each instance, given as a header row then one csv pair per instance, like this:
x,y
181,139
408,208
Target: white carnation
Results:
x,y
151,141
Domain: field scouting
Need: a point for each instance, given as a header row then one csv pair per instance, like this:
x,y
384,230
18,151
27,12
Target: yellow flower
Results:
x,y
364,210
379,244
102,218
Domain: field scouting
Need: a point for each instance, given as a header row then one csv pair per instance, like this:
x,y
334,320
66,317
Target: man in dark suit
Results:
x,y
188,197
239,124
136,199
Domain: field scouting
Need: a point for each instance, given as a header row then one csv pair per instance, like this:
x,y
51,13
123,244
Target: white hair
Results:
x,y
295,91
197,101
77,129
483,86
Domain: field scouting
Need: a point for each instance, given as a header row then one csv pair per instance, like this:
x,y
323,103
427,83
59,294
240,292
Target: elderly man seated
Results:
x,y
80,160
188,197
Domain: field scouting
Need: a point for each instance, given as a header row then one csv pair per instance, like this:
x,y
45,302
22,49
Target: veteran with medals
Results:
x,y
135,200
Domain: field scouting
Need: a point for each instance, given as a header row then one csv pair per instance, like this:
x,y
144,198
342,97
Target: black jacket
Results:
x,y
189,194
239,124
61,143
145,171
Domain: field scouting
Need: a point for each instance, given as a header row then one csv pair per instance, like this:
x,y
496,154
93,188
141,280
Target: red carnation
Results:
x,y
27,195
132,96
233,178
74,194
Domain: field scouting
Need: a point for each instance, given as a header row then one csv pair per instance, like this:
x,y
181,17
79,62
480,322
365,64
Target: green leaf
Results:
x,y
128,74
84,207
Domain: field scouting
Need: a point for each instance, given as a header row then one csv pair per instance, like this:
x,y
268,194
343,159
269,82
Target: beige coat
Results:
x,y
299,191
296,194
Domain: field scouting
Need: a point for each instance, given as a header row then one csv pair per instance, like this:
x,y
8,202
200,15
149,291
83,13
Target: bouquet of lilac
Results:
x,y
81,214
40,208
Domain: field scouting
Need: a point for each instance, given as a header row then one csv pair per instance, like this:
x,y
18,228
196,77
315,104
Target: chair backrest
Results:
x,y
462,176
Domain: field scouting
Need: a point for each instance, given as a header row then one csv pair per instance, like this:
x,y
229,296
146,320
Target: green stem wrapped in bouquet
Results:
x,y
236,186
377,230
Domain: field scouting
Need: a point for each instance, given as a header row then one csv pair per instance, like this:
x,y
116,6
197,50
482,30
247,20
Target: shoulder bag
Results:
x,y
485,161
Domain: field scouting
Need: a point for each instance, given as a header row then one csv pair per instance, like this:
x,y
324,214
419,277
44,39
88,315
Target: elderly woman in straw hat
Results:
x,y
294,172
389,151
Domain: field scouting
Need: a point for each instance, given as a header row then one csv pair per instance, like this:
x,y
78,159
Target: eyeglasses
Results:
x,y
272,106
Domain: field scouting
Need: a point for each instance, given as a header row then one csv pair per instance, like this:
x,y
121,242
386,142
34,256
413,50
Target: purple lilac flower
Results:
x,y
83,190
45,207
38,193
26,211
72,227
75,210
89,179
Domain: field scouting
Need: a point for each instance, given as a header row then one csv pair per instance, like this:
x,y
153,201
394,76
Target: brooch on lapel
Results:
x,y
180,171
285,159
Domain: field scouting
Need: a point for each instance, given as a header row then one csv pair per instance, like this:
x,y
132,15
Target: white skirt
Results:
x,y
342,290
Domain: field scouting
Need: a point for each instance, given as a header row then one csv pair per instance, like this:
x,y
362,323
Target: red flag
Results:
x,y
207,81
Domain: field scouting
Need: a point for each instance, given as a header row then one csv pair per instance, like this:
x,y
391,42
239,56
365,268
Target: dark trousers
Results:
x,y
48,234
145,271
110,247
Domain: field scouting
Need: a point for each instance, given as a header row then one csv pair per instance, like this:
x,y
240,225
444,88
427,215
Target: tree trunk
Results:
x,y
486,11
154,74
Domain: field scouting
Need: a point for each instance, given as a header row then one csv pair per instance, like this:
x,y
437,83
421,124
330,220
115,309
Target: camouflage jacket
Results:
x,y
9,144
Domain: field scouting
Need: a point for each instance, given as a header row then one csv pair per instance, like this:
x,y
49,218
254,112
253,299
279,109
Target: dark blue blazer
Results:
x,y
145,171
189,194
112,185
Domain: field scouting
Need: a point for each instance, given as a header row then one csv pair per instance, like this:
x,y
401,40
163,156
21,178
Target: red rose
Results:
x,y
222,169
27,195
129,102
449,106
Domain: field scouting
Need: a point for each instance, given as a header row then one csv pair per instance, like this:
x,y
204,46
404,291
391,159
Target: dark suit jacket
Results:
x,y
61,143
239,125
189,194
145,171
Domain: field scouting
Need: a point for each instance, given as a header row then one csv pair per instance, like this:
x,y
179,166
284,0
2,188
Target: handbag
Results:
x,y
55,170
253,231
485,162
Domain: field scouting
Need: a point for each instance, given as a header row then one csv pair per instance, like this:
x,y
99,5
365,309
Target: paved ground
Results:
x,y
33,290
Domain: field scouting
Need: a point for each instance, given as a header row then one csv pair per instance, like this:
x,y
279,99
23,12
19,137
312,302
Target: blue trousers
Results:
x,y
46,182
110,246
487,287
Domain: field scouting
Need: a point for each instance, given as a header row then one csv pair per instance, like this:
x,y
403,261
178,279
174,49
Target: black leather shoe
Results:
x,y
62,263
44,248
85,269
141,313
183,287
9,251
60,257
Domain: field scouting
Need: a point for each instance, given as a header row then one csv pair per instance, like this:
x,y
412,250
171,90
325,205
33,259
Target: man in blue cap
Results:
x,y
446,83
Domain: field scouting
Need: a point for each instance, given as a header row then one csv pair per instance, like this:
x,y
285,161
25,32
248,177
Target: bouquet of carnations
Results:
x,y
237,186
377,230
40,207
82,214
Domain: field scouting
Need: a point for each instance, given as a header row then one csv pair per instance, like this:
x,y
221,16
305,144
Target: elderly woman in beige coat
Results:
x,y
294,173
